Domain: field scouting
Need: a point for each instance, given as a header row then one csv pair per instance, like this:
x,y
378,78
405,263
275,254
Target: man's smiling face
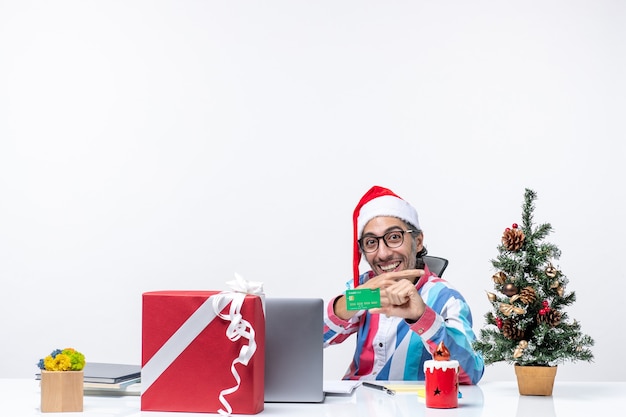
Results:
x,y
386,259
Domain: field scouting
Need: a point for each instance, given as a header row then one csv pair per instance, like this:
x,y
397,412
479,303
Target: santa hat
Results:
x,y
378,201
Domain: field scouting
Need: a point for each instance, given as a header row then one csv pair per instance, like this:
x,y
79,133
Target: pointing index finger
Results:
x,y
408,274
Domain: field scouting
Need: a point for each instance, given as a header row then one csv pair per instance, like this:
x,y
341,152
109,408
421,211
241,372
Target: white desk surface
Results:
x,y
21,397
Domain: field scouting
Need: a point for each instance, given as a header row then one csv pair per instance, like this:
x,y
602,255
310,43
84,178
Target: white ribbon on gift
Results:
x,y
238,328
246,287
197,322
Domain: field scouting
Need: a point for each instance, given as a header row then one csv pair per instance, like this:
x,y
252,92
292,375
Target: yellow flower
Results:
x,y
64,363
68,359
48,363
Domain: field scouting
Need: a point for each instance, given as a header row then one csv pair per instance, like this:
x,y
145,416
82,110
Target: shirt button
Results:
x,y
380,345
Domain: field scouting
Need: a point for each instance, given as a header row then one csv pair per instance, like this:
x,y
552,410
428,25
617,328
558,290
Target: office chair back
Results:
x,y
436,264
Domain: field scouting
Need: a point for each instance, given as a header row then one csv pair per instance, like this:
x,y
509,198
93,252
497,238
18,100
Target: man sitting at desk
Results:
x,y
418,310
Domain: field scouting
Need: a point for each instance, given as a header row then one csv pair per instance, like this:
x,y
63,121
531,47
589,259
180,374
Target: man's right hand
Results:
x,y
382,281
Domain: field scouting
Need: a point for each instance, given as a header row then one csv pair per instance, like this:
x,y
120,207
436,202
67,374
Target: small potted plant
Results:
x,y
62,381
528,326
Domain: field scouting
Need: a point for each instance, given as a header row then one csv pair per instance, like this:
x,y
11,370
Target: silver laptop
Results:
x,y
294,357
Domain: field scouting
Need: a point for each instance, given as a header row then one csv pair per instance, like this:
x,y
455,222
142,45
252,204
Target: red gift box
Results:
x,y
187,355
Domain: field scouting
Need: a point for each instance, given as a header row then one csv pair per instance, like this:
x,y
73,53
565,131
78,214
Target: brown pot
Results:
x,y
61,391
535,380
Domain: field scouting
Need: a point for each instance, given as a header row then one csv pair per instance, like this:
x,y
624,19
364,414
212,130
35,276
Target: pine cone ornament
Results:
x,y
549,316
513,239
511,331
527,295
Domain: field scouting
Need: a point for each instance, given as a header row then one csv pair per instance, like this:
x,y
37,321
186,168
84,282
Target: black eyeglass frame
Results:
x,y
383,237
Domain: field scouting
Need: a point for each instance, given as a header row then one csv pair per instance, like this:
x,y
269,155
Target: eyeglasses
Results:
x,y
392,239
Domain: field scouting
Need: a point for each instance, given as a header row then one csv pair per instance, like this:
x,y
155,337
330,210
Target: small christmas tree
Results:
x,y
528,324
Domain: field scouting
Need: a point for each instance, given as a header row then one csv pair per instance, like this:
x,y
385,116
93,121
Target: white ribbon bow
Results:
x,y
238,328
246,287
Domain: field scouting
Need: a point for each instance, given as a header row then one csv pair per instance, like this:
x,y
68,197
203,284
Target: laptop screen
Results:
x,y
294,367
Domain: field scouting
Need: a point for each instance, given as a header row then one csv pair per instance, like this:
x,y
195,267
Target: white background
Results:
x,y
150,145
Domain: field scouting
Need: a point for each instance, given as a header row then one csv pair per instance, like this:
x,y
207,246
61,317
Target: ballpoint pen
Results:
x,y
379,387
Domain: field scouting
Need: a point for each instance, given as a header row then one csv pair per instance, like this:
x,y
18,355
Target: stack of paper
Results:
x,y
340,387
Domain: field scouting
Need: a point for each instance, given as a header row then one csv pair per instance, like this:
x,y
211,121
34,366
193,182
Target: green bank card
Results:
x,y
363,299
